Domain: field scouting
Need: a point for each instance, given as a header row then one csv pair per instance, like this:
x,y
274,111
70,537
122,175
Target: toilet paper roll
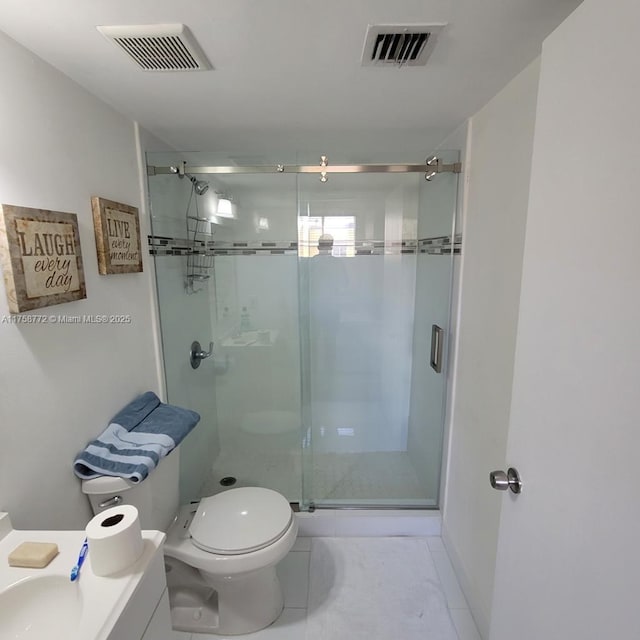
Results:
x,y
115,540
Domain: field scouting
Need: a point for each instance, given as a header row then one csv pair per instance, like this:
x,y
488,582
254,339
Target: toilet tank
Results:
x,y
156,497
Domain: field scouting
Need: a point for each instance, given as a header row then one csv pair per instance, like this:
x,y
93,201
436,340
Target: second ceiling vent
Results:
x,y
399,45
159,47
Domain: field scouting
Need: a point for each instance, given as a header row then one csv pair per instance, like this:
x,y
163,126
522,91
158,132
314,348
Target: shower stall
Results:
x,y
318,295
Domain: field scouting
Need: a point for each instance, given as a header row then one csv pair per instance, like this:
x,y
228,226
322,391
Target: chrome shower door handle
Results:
x,y
437,340
197,355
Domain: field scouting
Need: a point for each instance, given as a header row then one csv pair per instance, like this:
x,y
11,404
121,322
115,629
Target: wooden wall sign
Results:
x,y
117,230
41,257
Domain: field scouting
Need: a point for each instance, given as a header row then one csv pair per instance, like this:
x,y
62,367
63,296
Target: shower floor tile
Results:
x,y
277,470
364,588
386,475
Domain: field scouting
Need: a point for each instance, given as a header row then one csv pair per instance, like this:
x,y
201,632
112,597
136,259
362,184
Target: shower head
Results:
x,y
199,186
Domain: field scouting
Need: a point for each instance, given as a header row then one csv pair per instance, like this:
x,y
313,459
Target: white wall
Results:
x,y
498,168
570,548
60,384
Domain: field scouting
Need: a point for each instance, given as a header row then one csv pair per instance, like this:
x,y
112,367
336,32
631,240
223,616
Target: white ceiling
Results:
x,y
288,73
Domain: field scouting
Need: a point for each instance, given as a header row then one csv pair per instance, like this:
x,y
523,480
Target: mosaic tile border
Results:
x,y
441,245
167,246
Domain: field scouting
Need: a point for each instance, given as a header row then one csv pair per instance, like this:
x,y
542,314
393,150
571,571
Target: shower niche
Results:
x,y
319,291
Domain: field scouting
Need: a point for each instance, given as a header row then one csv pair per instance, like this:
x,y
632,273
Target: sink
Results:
x,y
43,604
28,607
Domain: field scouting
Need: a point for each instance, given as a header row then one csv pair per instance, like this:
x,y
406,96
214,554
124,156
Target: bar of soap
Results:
x,y
35,555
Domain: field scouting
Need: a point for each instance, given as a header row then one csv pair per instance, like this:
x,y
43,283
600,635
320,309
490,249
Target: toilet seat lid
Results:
x,y
240,520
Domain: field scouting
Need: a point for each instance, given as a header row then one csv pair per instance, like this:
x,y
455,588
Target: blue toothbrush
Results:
x,y
83,554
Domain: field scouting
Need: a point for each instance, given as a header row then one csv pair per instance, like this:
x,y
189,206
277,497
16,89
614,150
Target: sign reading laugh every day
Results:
x,y
41,257
48,254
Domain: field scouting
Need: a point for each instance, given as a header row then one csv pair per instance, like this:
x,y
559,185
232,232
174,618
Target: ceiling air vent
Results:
x,y
399,45
159,47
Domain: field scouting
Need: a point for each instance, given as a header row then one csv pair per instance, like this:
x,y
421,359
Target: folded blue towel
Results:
x,y
118,452
132,452
170,420
136,411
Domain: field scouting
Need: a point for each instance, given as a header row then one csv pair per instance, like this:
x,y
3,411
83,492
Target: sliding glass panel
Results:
x,y
374,421
432,306
256,319
238,288
358,252
185,314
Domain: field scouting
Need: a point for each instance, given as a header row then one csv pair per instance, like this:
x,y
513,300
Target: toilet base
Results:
x,y
196,617
204,603
248,602
193,603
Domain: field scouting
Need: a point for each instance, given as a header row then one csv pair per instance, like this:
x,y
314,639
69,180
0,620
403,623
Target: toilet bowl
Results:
x,y
234,540
220,553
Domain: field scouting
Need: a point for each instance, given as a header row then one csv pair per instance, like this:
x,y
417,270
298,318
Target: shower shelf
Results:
x,y
199,262
197,226
199,269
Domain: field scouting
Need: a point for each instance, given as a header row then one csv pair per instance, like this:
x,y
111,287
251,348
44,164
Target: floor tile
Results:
x,y
289,626
435,543
464,624
453,593
354,594
302,543
293,572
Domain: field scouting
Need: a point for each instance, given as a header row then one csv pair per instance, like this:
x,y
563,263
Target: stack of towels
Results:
x,y
135,440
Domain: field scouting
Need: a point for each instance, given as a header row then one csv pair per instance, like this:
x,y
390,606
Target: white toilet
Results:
x,y
220,553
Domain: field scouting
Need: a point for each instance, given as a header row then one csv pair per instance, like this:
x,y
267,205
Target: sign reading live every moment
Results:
x,y
41,257
117,230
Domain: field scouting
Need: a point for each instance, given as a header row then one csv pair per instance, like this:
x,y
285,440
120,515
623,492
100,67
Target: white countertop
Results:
x,y
101,599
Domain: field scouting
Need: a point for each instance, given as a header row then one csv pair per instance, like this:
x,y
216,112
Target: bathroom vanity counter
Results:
x,y
45,604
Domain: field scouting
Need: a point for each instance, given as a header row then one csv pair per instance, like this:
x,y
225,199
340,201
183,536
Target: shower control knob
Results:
x,y
502,481
197,355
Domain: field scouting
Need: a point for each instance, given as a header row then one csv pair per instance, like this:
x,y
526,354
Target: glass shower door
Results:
x,y
320,299
248,391
438,244
368,298
255,312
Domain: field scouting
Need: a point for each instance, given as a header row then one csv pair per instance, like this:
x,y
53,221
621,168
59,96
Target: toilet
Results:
x,y
220,553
